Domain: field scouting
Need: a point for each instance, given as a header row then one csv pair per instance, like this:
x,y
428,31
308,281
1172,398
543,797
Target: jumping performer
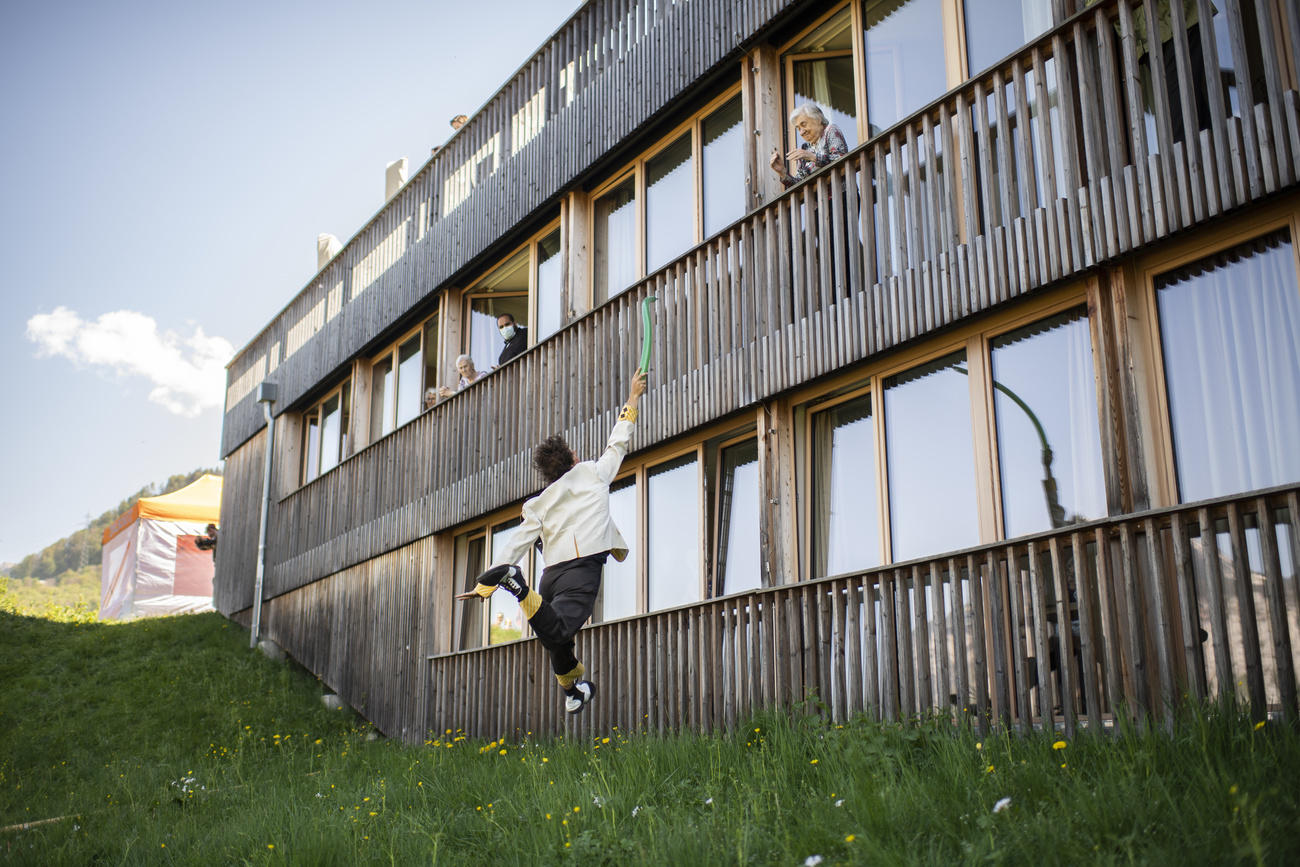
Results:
x,y
572,519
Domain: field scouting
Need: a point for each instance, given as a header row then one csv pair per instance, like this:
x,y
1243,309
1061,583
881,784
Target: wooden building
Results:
x,y
996,416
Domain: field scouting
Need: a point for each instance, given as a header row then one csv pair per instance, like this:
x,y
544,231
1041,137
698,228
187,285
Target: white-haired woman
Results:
x,y
823,144
468,375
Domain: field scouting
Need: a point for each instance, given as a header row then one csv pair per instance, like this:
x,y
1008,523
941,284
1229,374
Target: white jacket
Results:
x,y
572,514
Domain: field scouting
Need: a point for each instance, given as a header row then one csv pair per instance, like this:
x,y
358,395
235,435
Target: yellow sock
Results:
x,y
568,680
530,604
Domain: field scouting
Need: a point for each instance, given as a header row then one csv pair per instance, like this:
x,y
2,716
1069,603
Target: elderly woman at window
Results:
x,y
823,145
468,375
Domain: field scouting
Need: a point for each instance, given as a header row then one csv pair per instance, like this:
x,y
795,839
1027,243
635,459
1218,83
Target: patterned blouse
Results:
x,y
830,147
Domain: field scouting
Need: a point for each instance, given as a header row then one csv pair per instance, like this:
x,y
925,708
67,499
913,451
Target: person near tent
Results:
x,y
571,517
208,542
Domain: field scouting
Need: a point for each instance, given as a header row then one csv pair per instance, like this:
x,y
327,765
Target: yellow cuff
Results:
x,y
627,413
530,604
485,590
569,679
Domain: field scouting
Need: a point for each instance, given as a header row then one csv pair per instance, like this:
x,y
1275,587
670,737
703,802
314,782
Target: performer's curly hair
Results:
x,y
553,457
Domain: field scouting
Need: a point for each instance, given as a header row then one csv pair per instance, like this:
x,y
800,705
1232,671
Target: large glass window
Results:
x,y
995,28
325,433
905,58
930,459
503,290
669,205
505,617
723,167
1045,404
381,396
618,589
410,366
820,70
615,240
673,543
550,287
470,561
398,377
739,562
846,517
1229,328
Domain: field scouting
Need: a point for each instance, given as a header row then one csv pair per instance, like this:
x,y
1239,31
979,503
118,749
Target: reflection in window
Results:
x,y
846,517
673,540
995,28
331,415
618,588
615,240
821,72
1045,404
1229,327
311,462
469,614
739,563
505,617
504,290
550,307
905,58
431,352
669,203
723,168
930,459
409,368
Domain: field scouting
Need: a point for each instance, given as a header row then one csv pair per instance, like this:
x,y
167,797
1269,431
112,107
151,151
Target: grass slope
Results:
x,y
168,741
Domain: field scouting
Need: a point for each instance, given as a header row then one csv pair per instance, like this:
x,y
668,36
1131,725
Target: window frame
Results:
x,y
391,353
975,339
474,288
483,528
713,543
315,412
1156,425
636,169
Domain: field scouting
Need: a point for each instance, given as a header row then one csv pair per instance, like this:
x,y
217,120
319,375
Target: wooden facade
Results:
x,y
947,218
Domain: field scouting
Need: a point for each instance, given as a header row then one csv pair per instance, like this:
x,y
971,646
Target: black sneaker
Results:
x,y
579,696
508,578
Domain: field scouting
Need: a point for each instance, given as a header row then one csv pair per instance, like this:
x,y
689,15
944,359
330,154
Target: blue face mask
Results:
x,y
507,331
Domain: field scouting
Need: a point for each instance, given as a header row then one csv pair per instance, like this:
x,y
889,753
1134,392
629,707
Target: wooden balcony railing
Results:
x,y
1128,616
876,250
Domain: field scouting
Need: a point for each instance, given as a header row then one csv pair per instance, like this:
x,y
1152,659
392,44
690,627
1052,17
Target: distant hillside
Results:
x,y
74,553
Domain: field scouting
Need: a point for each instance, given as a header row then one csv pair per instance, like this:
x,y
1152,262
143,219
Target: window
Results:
x,y
1045,404
398,377
1229,327
499,619
618,588
819,69
325,433
687,187
739,562
673,533
905,58
527,284
996,28
503,290
897,461
929,459
847,535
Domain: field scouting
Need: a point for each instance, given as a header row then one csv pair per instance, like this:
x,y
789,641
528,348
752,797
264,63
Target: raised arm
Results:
x,y
616,449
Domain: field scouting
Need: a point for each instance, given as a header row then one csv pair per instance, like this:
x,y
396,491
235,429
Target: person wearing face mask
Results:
x,y
515,336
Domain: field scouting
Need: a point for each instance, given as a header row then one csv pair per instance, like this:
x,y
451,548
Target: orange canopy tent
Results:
x,y
151,565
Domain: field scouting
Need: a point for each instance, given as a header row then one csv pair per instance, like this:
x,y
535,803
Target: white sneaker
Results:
x,y
579,696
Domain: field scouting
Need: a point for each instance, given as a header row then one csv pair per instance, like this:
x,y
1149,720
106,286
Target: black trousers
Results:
x,y
568,592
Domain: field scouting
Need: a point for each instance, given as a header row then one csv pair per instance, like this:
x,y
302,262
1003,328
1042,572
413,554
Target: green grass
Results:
x,y
168,741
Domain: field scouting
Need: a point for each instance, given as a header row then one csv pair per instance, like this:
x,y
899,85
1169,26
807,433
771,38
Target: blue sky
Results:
x,y
165,169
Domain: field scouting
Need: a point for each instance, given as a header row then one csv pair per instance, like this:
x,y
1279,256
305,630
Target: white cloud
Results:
x,y
188,374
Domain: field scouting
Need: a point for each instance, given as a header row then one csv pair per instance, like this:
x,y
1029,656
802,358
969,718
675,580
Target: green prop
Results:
x,y
646,335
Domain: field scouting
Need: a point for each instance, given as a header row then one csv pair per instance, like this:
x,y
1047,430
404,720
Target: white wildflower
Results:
x,y
840,802
636,810
1002,805
708,801
598,801
812,861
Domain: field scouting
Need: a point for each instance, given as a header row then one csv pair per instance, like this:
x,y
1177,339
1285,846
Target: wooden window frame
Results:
x,y
314,411
475,288
483,527
636,169
713,515
1144,329
975,339
390,352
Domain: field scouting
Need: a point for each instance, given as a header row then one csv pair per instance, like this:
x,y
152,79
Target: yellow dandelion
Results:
x,y
545,760
813,762
501,753
989,769
979,746
1059,745
270,845
1259,725
1232,790
850,838
373,813
577,809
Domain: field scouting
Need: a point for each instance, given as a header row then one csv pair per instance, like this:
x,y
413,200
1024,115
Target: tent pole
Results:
x,y
266,395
